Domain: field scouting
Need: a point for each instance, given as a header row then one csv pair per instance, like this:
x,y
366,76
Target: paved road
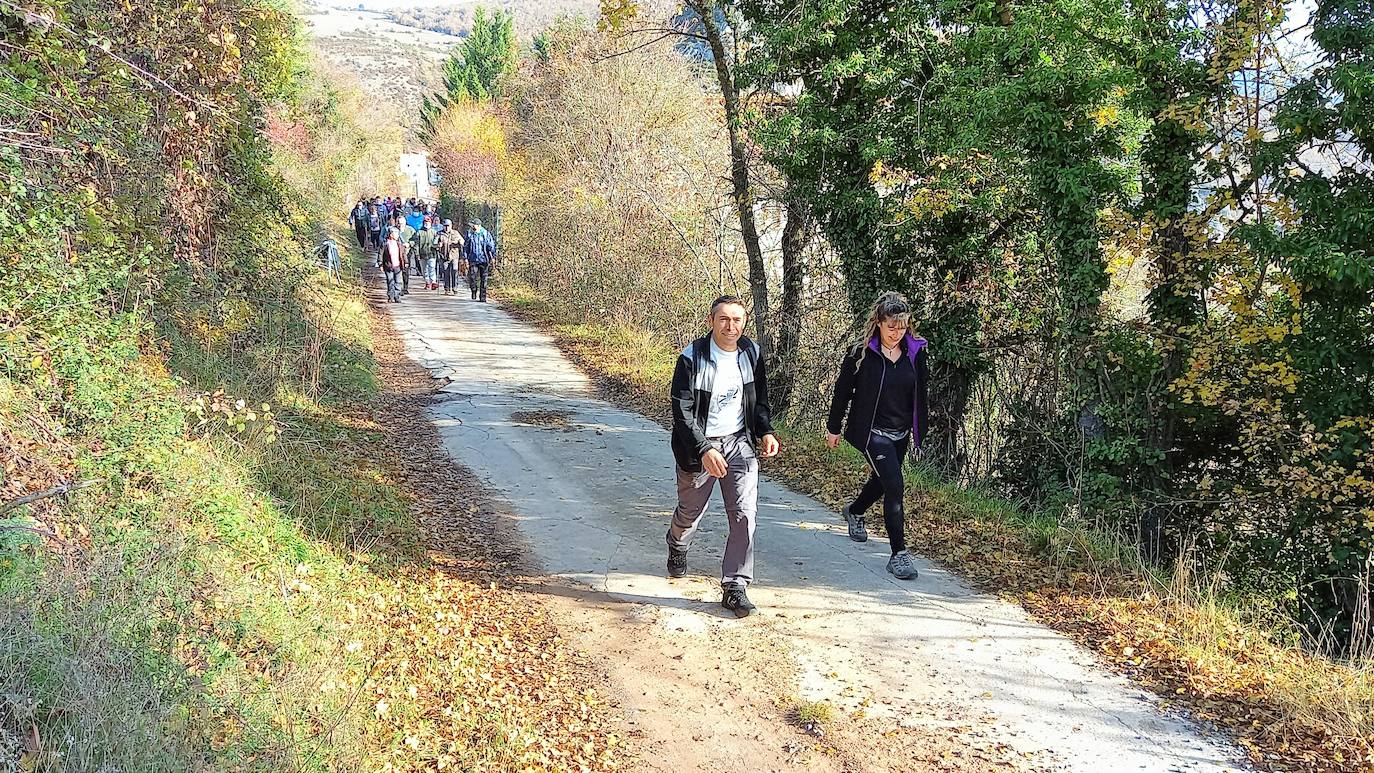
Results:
x,y
591,485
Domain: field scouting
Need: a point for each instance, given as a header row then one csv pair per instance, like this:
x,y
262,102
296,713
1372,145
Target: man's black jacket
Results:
x,y
693,379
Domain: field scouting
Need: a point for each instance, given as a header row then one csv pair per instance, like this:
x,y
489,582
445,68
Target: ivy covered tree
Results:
x,y
1318,249
475,69
1137,237
944,145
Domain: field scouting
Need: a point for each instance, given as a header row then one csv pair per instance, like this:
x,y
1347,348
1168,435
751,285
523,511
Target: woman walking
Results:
x,y
881,397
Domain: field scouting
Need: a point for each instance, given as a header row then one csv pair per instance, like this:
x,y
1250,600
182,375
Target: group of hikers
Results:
x,y
721,418
722,426
408,237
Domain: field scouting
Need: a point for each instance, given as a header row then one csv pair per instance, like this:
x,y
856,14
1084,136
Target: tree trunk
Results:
x,y
739,175
1168,173
950,389
796,234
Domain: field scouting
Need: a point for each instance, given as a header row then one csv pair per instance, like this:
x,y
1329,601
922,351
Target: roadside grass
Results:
x,y
224,599
1227,656
811,714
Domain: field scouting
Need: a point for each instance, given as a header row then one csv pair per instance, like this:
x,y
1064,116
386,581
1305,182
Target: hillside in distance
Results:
x,y
531,16
395,63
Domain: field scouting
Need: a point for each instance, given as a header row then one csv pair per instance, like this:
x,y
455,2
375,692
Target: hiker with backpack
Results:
x,y
479,250
392,256
880,394
357,218
721,427
375,222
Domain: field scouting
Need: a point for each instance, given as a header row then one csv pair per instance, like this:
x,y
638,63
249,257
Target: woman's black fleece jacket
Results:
x,y
860,385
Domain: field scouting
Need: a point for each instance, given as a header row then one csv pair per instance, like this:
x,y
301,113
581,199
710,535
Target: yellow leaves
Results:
x,y
1106,115
616,14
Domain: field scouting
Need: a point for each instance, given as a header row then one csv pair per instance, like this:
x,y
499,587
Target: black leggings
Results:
x,y
884,456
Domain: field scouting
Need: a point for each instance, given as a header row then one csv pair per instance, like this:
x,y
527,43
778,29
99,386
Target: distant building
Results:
x,y
414,167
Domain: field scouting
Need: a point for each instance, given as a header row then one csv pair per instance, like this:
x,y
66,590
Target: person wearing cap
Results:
x,y
479,250
450,250
880,394
393,258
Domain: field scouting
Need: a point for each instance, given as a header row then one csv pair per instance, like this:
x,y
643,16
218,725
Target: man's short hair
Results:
x,y
726,300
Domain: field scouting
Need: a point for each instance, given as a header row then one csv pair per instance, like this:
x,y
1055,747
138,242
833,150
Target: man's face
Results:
x,y
727,323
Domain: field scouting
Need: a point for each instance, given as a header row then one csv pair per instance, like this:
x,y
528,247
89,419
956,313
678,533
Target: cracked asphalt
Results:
x,y
594,497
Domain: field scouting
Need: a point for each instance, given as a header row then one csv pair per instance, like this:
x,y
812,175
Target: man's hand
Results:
x,y
833,441
769,446
714,462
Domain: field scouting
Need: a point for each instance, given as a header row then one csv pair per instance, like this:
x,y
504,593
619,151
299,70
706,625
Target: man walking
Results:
x,y
393,262
375,223
479,249
721,426
425,242
450,246
415,217
406,235
358,219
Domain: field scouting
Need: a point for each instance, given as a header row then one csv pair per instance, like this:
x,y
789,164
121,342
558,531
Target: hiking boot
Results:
x,y
857,532
677,561
902,565
736,600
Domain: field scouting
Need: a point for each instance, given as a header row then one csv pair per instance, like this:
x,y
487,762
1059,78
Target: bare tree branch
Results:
x,y
59,490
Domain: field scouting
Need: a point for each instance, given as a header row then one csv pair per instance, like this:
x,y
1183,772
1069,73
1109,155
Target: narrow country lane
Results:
x,y
590,486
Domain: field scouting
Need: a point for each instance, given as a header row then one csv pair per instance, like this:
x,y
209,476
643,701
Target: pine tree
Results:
x,y
474,71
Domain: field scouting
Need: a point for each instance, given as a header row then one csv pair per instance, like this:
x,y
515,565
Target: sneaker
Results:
x,y
857,532
902,565
736,600
677,561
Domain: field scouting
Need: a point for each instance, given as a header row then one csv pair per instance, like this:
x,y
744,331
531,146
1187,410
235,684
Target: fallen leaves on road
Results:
x,y
470,673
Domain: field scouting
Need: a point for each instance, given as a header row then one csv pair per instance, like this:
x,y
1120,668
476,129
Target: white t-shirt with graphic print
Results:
x,y
726,415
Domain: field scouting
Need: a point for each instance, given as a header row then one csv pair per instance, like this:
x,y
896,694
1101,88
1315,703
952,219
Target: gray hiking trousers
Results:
x,y
740,490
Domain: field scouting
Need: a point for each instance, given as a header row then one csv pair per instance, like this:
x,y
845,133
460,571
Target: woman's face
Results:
x,y
891,331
